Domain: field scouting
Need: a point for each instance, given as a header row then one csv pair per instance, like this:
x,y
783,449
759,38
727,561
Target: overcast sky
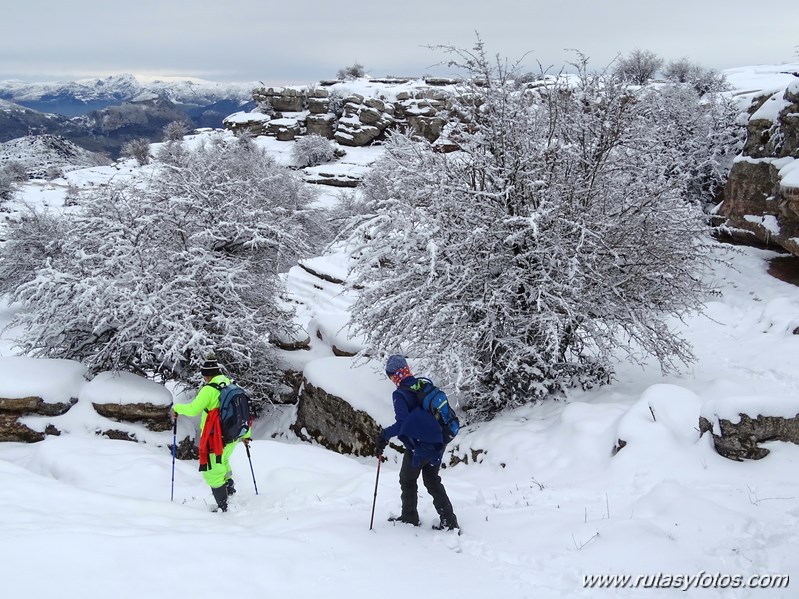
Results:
x,y
307,40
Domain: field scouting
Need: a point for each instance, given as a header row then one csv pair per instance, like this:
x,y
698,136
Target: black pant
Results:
x,y
408,478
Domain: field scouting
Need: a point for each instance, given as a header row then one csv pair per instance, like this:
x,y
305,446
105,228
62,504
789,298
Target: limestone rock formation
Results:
x,y
762,193
738,441
13,408
333,423
354,120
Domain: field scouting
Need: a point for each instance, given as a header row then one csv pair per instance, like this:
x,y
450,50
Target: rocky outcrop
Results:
x,y
12,409
284,129
281,99
739,441
352,121
333,423
361,123
155,417
761,198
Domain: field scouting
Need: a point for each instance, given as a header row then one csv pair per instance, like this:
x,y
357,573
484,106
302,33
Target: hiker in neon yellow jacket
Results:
x,y
214,455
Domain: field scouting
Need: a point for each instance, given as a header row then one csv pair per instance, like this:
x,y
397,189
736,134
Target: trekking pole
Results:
x,y
247,447
174,453
374,501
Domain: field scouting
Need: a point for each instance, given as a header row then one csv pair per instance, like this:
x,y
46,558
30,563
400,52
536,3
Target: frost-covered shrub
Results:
x,y
704,128
138,149
558,239
639,66
33,240
264,107
152,275
311,150
336,103
16,171
354,71
6,186
175,131
72,197
54,172
702,79
350,204
172,153
679,70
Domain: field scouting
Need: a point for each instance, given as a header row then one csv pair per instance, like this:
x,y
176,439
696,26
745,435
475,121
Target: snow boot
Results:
x,y
220,494
406,519
231,488
450,523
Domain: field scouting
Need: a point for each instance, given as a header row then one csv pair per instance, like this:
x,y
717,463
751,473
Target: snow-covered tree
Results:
x,y
138,149
702,79
703,128
639,66
311,150
522,264
31,243
175,131
150,277
355,71
7,188
16,171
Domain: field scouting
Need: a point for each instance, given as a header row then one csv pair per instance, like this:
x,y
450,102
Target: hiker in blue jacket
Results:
x,y
422,436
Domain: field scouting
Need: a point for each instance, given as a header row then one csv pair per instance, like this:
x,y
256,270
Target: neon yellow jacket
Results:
x,y
206,400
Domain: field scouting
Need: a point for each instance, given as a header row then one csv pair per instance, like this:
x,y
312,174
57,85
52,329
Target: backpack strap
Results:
x,y
216,386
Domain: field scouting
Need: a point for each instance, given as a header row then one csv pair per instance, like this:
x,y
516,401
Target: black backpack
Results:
x,y
234,411
434,401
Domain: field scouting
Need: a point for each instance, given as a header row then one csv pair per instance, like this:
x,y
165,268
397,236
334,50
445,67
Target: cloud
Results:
x,y
307,39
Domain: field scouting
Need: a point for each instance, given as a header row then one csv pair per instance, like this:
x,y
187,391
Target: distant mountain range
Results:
x,y
102,114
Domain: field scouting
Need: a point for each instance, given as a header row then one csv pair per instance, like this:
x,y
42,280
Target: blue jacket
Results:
x,y
418,430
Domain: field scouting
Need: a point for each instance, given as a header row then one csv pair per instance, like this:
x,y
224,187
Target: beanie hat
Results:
x,y
211,366
397,369
394,364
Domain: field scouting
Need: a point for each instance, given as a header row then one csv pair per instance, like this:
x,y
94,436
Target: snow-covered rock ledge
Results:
x,y
739,424
49,396
36,387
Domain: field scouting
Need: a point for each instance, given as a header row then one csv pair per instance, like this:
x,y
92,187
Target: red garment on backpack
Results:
x,y
211,439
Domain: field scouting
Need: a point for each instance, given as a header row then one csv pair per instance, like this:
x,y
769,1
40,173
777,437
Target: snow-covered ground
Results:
x,y
543,503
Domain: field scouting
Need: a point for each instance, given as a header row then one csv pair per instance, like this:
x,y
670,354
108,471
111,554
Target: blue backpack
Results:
x,y
234,411
434,401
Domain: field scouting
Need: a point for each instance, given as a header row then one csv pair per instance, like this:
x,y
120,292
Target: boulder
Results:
x,y
758,204
361,124
426,126
333,423
739,441
321,124
355,134
284,129
282,99
375,103
155,417
369,116
253,122
318,105
12,409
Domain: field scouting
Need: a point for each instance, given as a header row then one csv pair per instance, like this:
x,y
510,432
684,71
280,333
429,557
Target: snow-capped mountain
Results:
x,y
72,98
102,114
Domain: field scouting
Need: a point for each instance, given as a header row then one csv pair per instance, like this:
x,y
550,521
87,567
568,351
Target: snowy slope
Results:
x,y
543,501
44,154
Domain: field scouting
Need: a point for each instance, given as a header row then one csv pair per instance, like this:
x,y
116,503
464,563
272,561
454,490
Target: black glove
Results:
x,y
380,443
